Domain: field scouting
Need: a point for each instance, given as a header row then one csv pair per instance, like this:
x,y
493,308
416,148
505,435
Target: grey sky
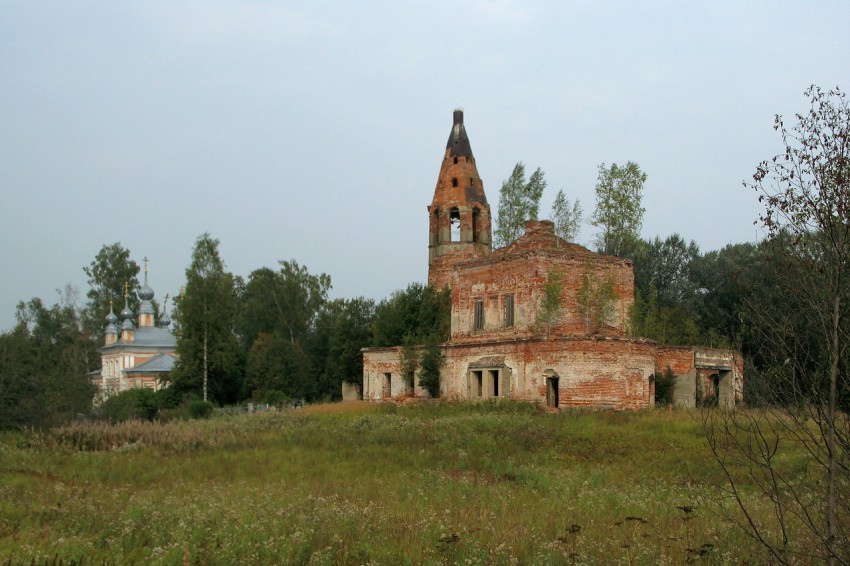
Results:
x,y
314,130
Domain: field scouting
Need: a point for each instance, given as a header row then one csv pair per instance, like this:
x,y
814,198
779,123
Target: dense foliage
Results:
x,y
43,365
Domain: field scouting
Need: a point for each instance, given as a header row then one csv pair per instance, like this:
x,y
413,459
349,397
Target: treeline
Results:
x,y
276,335
270,337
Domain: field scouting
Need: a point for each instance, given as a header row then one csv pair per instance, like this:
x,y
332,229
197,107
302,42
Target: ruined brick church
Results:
x,y
581,355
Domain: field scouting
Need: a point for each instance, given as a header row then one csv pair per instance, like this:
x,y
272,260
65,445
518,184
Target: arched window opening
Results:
x,y
476,224
454,218
454,181
455,160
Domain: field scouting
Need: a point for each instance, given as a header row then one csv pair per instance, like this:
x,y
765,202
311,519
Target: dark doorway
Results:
x,y
494,377
552,392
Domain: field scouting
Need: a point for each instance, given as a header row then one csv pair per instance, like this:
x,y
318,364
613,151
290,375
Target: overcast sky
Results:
x,y
314,130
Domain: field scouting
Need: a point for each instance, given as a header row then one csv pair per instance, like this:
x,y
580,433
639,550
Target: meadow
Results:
x,y
432,483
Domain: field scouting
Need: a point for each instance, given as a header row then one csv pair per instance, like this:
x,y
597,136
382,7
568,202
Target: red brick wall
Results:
x,y
680,359
608,373
524,275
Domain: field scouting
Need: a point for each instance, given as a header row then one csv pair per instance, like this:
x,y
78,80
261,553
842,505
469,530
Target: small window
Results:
x,y
454,181
471,182
478,317
509,310
454,221
455,160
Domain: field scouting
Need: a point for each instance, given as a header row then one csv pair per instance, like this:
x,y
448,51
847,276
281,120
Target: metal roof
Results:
x,y
158,364
458,140
145,338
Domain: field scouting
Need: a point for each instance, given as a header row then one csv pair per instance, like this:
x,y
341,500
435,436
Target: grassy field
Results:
x,y
369,484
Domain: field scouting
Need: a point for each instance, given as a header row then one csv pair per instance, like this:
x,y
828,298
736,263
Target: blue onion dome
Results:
x,y
145,292
128,323
126,312
111,318
111,321
164,321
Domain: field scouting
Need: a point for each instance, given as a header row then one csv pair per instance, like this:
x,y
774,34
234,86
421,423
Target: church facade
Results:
x,y
135,354
507,343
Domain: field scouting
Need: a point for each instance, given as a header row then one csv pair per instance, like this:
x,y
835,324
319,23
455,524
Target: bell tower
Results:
x,y
459,216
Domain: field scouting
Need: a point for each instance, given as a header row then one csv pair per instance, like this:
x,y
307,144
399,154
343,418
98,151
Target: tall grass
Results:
x,y
435,483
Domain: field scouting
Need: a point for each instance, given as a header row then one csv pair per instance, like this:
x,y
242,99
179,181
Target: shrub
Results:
x,y
129,405
274,397
665,384
429,375
169,398
200,409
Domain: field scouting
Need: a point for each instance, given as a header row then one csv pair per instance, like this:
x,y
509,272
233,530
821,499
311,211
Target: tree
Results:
x,y
277,364
111,268
670,325
802,347
618,212
418,319
208,353
421,312
44,363
550,304
595,299
431,364
725,280
343,328
519,202
567,219
21,384
287,305
287,301
666,294
665,266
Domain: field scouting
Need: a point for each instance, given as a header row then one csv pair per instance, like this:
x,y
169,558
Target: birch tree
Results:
x,y
566,217
519,202
209,361
618,214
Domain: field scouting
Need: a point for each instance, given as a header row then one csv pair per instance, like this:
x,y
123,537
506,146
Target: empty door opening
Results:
x,y
552,392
